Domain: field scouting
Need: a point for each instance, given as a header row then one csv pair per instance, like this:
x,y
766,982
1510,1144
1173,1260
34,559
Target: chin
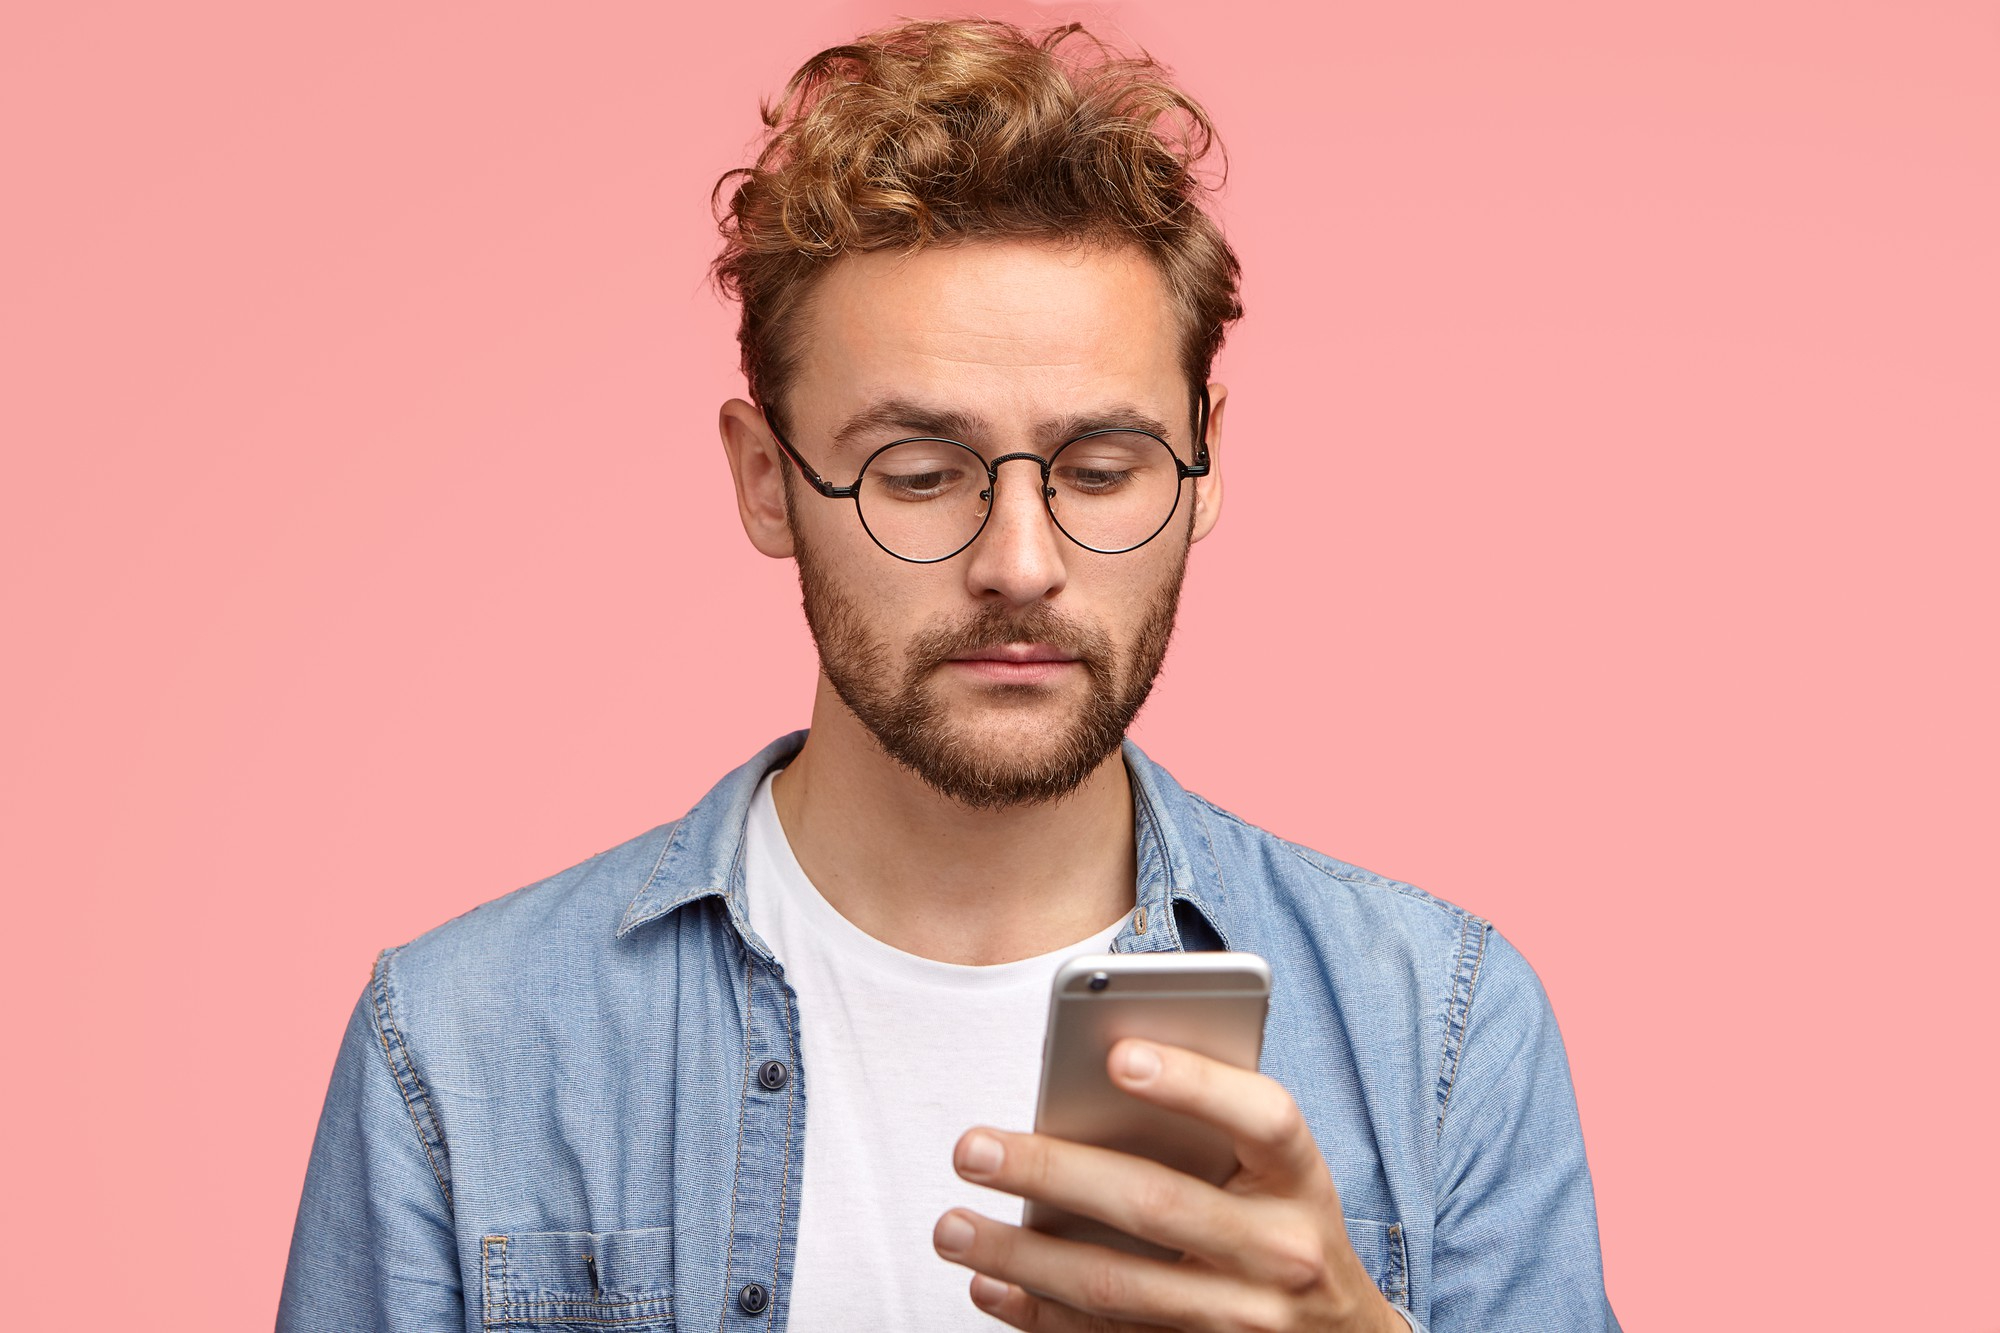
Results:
x,y
1028,740
1014,716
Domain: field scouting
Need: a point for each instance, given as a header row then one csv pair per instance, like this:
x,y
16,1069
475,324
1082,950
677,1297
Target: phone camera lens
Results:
x,y
1099,980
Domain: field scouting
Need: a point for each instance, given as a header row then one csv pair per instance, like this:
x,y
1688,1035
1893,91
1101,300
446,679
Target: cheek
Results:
x,y
838,546
1129,589
1155,566
908,602
897,600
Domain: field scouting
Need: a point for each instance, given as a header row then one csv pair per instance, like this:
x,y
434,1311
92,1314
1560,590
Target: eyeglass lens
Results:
x,y
1110,491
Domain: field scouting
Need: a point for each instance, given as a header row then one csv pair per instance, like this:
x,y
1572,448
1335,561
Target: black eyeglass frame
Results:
x,y
1198,468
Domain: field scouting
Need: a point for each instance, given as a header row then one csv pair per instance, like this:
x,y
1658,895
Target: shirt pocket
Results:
x,y
1379,1246
572,1280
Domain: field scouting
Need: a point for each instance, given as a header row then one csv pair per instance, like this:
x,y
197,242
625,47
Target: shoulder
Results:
x,y
1370,943
560,926
1395,967
1274,877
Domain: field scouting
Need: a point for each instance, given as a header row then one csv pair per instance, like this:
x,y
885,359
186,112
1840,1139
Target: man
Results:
x,y
772,1065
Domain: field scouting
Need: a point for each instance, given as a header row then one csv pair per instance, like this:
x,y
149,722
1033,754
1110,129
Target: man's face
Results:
x,y
1007,673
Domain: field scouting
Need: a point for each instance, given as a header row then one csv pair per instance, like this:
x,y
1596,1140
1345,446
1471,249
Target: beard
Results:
x,y
914,726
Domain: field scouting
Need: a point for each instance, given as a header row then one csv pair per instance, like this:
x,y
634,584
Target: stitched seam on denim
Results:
x,y
1368,880
384,1010
742,1106
554,1313
554,1301
733,907
1151,814
1458,1013
1399,1266
486,1276
629,920
585,1320
1308,857
508,1311
1208,840
521,1313
425,1125
660,861
785,1180
1448,1050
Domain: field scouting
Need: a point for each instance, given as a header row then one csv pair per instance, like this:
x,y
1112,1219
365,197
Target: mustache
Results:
x,y
993,628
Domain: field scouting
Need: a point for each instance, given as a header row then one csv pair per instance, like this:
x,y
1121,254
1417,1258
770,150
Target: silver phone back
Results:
x,y
1210,1003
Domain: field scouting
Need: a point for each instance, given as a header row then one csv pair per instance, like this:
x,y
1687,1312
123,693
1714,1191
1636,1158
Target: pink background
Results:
x,y
1609,549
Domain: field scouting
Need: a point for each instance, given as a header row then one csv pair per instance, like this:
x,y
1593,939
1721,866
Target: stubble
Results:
x,y
911,722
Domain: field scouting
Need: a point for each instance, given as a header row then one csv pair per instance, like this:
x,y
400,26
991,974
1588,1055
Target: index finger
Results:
x,y
1270,1134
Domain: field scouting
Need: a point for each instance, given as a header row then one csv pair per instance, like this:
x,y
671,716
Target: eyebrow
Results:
x,y
908,417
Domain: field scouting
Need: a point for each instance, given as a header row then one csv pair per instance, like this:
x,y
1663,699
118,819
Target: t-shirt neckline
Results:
x,y
844,937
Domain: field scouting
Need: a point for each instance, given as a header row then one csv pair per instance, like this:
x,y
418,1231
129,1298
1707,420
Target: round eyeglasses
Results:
x,y
925,499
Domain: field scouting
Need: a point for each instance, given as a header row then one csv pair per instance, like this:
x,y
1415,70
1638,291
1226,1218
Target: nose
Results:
x,y
1018,557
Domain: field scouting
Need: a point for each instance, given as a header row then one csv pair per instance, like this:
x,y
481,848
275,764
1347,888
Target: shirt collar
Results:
x,y
703,856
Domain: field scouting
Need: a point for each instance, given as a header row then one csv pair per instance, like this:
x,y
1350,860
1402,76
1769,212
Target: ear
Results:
x,y
759,469
1208,489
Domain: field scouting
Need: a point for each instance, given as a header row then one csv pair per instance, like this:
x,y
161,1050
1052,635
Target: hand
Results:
x,y
1265,1250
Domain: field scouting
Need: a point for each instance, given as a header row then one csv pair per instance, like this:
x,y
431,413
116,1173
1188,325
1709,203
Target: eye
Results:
x,y
918,485
920,470
1095,481
1108,463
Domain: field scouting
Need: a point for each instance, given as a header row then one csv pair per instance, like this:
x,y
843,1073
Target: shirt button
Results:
x,y
753,1298
772,1074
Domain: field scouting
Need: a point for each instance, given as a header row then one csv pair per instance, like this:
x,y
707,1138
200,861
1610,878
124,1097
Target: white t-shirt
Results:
x,y
902,1055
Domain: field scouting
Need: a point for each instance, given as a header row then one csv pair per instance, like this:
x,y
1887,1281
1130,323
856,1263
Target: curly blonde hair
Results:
x,y
941,132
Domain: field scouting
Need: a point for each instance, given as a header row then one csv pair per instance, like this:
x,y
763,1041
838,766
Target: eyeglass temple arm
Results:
x,y
813,479
1198,468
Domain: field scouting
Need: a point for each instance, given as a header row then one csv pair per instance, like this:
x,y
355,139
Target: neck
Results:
x,y
930,876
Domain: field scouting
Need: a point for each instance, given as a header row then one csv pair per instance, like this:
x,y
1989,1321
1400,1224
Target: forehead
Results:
x,y
989,326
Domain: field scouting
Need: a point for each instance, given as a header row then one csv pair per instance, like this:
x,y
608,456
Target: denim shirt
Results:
x,y
582,1104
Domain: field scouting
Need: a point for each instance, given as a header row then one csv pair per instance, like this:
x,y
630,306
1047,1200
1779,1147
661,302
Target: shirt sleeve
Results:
x,y
1516,1242
374,1247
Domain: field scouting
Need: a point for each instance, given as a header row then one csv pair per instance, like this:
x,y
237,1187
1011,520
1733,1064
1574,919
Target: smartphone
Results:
x,y
1211,1003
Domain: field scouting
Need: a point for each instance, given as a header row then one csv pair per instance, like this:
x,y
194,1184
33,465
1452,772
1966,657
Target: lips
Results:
x,y
1016,664
1017,652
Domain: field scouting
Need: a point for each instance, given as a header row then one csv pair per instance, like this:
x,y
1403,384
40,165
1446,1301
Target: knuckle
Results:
x,y
992,1246
1277,1117
1104,1289
1297,1259
1038,1168
1158,1195
1026,1312
1262,1313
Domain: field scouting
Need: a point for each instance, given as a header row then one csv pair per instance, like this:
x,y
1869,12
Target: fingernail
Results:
x,y
954,1234
987,1291
980,1155
1142,1062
